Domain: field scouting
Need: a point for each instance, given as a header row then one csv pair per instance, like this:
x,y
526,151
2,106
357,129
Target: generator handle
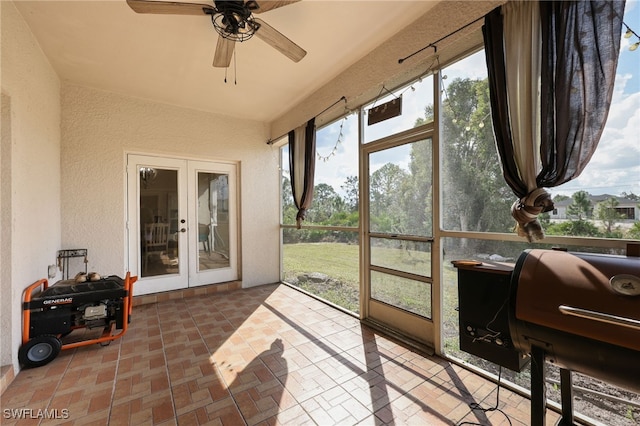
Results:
x,y
26,316
128,285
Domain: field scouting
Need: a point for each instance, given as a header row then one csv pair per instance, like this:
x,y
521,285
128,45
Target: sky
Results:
x,y
613,169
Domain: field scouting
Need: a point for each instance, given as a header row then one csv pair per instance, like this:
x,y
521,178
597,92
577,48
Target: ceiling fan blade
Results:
x,y
267,5
169,7
279,41
224,52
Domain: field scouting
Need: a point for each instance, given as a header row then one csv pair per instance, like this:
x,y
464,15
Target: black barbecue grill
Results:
x,y
580,311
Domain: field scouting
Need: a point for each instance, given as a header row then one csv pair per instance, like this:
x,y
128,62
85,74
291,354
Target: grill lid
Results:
x,y
590,295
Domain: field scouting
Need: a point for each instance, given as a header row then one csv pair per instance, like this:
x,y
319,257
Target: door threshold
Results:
x,y
418,346
184,293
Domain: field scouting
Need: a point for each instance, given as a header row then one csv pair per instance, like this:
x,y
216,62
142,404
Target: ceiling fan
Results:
x,y
233,21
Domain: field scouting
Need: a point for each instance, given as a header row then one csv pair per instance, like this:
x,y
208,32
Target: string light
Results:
x,y
628,34
481,124
398,94
446,97
326,158
455,119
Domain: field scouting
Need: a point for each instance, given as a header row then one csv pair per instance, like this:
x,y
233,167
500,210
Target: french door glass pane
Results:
x,y
158,221
213,221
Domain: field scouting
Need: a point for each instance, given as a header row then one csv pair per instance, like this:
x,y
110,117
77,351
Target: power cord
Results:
x,y
489,338
474,406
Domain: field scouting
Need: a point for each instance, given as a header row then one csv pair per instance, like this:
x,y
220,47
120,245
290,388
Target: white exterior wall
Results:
x,y
561,213
99,128
31,188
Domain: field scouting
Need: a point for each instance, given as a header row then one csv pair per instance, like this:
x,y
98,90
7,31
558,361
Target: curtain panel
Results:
x,y
302,165
551,69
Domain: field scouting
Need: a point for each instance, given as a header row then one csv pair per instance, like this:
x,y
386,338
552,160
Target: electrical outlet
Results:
x,y
51,271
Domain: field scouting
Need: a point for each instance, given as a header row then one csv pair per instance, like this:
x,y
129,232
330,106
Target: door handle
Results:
x,y
183,230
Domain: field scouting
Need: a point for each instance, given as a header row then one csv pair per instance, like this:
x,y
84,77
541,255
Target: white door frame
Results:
x,y
189,274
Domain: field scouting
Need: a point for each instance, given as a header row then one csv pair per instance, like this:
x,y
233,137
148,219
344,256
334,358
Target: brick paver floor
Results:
x,y
261,356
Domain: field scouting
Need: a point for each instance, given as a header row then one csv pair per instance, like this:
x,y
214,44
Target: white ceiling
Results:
x,y
168,58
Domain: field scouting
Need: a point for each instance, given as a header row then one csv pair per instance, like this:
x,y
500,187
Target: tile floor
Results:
x,y
267,355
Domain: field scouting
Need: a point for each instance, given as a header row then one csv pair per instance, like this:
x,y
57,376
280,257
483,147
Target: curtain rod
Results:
x,y
343,98
401,60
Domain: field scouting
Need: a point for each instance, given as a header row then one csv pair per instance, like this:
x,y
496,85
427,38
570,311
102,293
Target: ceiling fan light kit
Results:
x,y
233,21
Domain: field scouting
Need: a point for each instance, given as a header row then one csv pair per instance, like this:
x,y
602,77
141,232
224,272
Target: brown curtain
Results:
x,y
572,50
302,165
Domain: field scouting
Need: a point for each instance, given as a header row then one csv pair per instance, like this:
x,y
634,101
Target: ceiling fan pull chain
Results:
x,y
225,74
235,67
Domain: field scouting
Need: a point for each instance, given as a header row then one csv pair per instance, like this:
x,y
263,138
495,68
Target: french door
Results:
x,y
398,234
182,223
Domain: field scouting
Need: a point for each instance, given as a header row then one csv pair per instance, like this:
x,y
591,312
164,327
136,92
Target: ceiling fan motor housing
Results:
x,y
233,20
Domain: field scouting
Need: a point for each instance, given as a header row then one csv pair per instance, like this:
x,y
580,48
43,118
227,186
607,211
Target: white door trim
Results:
x,y
189,274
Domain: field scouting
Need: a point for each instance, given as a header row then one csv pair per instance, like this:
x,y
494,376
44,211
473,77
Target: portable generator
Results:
x,y
52,312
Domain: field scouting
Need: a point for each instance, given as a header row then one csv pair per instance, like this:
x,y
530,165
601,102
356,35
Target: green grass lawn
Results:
x,y
340,261
337,260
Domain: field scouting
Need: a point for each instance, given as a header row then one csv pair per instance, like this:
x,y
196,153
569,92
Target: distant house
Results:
x,y
627,208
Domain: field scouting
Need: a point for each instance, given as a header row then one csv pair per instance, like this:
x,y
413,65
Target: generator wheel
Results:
x,y
39,351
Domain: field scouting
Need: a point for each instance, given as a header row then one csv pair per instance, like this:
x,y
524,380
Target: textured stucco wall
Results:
x,y
5,229
99,128
31,90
